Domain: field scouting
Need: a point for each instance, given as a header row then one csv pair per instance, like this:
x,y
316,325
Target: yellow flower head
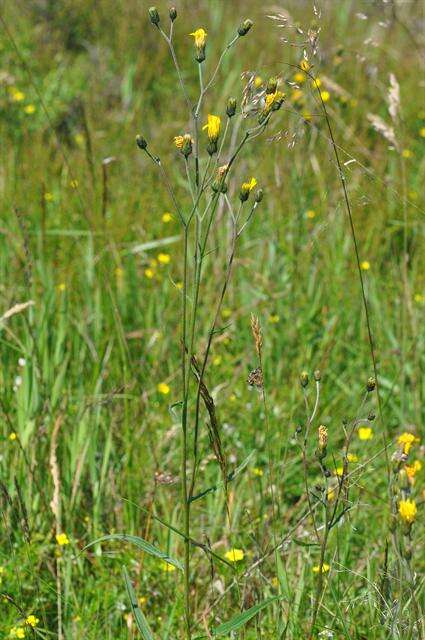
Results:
x,y
149,273
365,433
166,567
323,437
273,318
273,100
178,141
12,436
213,127
304,65
310,214
32,621
62,539
412,470
299,77
325,95
365,265
163,258
422,132
16,95
351,457
406,440
163,388
325,568
339,471
167,217
407,510
200,36
256,471
17,632
407,153
249,185
29,109
234,555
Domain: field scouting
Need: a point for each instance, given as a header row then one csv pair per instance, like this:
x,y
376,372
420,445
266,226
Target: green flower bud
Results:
x,y
259,196
317,375
245,27
141,142
154,15
371,384
212,147
271,85
173,13
304,379
231,107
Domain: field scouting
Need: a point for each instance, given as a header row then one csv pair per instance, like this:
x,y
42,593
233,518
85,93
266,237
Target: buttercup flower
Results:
x,y
365,265
407,510
325,568
62,539
365,433
163,258
406,440
17,632
32,621
167,217
234,555
168,568
200,36
351,457
163,388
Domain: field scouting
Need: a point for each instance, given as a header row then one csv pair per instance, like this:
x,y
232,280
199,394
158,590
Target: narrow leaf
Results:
x,y
242,618
142,544
141,622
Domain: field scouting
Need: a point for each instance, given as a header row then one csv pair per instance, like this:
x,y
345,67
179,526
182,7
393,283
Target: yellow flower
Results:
x,y
257,472
299,77
62,539
365,433
167,217
168,568
163,388
179,285
142,600
200,36
272,99
73,184
226,313
318,83
304,65
216,361
246,189
178,141
339,471
273,318
407,510
213,127
331,495
351,457
12,436
310,214
325,568
325,95
163,258
365,265
406,440
258,82
17,632
29,109
422,132
419,298
61,286
48,196
149,273
406,153
234,555
16,95
412,470
32,621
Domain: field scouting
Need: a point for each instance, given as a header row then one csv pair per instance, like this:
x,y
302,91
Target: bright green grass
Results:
x,y
102,335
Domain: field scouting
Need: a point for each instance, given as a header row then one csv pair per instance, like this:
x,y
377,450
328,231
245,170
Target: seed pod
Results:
x,y
154,15
141,142
371,384
244,27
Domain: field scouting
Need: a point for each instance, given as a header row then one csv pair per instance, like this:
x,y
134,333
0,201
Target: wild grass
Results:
x,y
263,529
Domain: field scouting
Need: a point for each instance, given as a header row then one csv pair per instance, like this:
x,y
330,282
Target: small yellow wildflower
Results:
x,y
179,285
167,567
226,313
299,77
273,318
318,83
351,457
200,36
17,632
331,495
163,388
325,95
310,214
249,186
304,65
16,95
62,539
365,265
163,258
412,470
149,273
167,217
48,196
216,361
234,555
213,127
407,510
142,600
325,568
79,139
272,99
178,141
257,472
61,287
258,82
339,471
32,621
419,298
422,132
73,184
406,440
29,109
365,433
12,436
406,153
306,115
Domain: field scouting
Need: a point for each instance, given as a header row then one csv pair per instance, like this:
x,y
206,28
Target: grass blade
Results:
x,y
141,622
242,618
142,544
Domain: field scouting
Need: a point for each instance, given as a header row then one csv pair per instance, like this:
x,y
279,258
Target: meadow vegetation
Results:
x,y
212,301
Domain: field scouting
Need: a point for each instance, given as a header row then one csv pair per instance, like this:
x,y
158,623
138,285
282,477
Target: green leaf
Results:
x,y
141,622
242,618
142,544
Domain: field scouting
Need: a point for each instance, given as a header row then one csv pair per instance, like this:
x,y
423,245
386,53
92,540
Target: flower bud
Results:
x,y
259,196
371,384
271,85
304,379
141,142
245,27
154,15
212,147
317,375
173,13
187,145
231,107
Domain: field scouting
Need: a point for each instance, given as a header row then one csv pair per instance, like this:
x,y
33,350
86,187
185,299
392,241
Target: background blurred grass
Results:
x,y
101,335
